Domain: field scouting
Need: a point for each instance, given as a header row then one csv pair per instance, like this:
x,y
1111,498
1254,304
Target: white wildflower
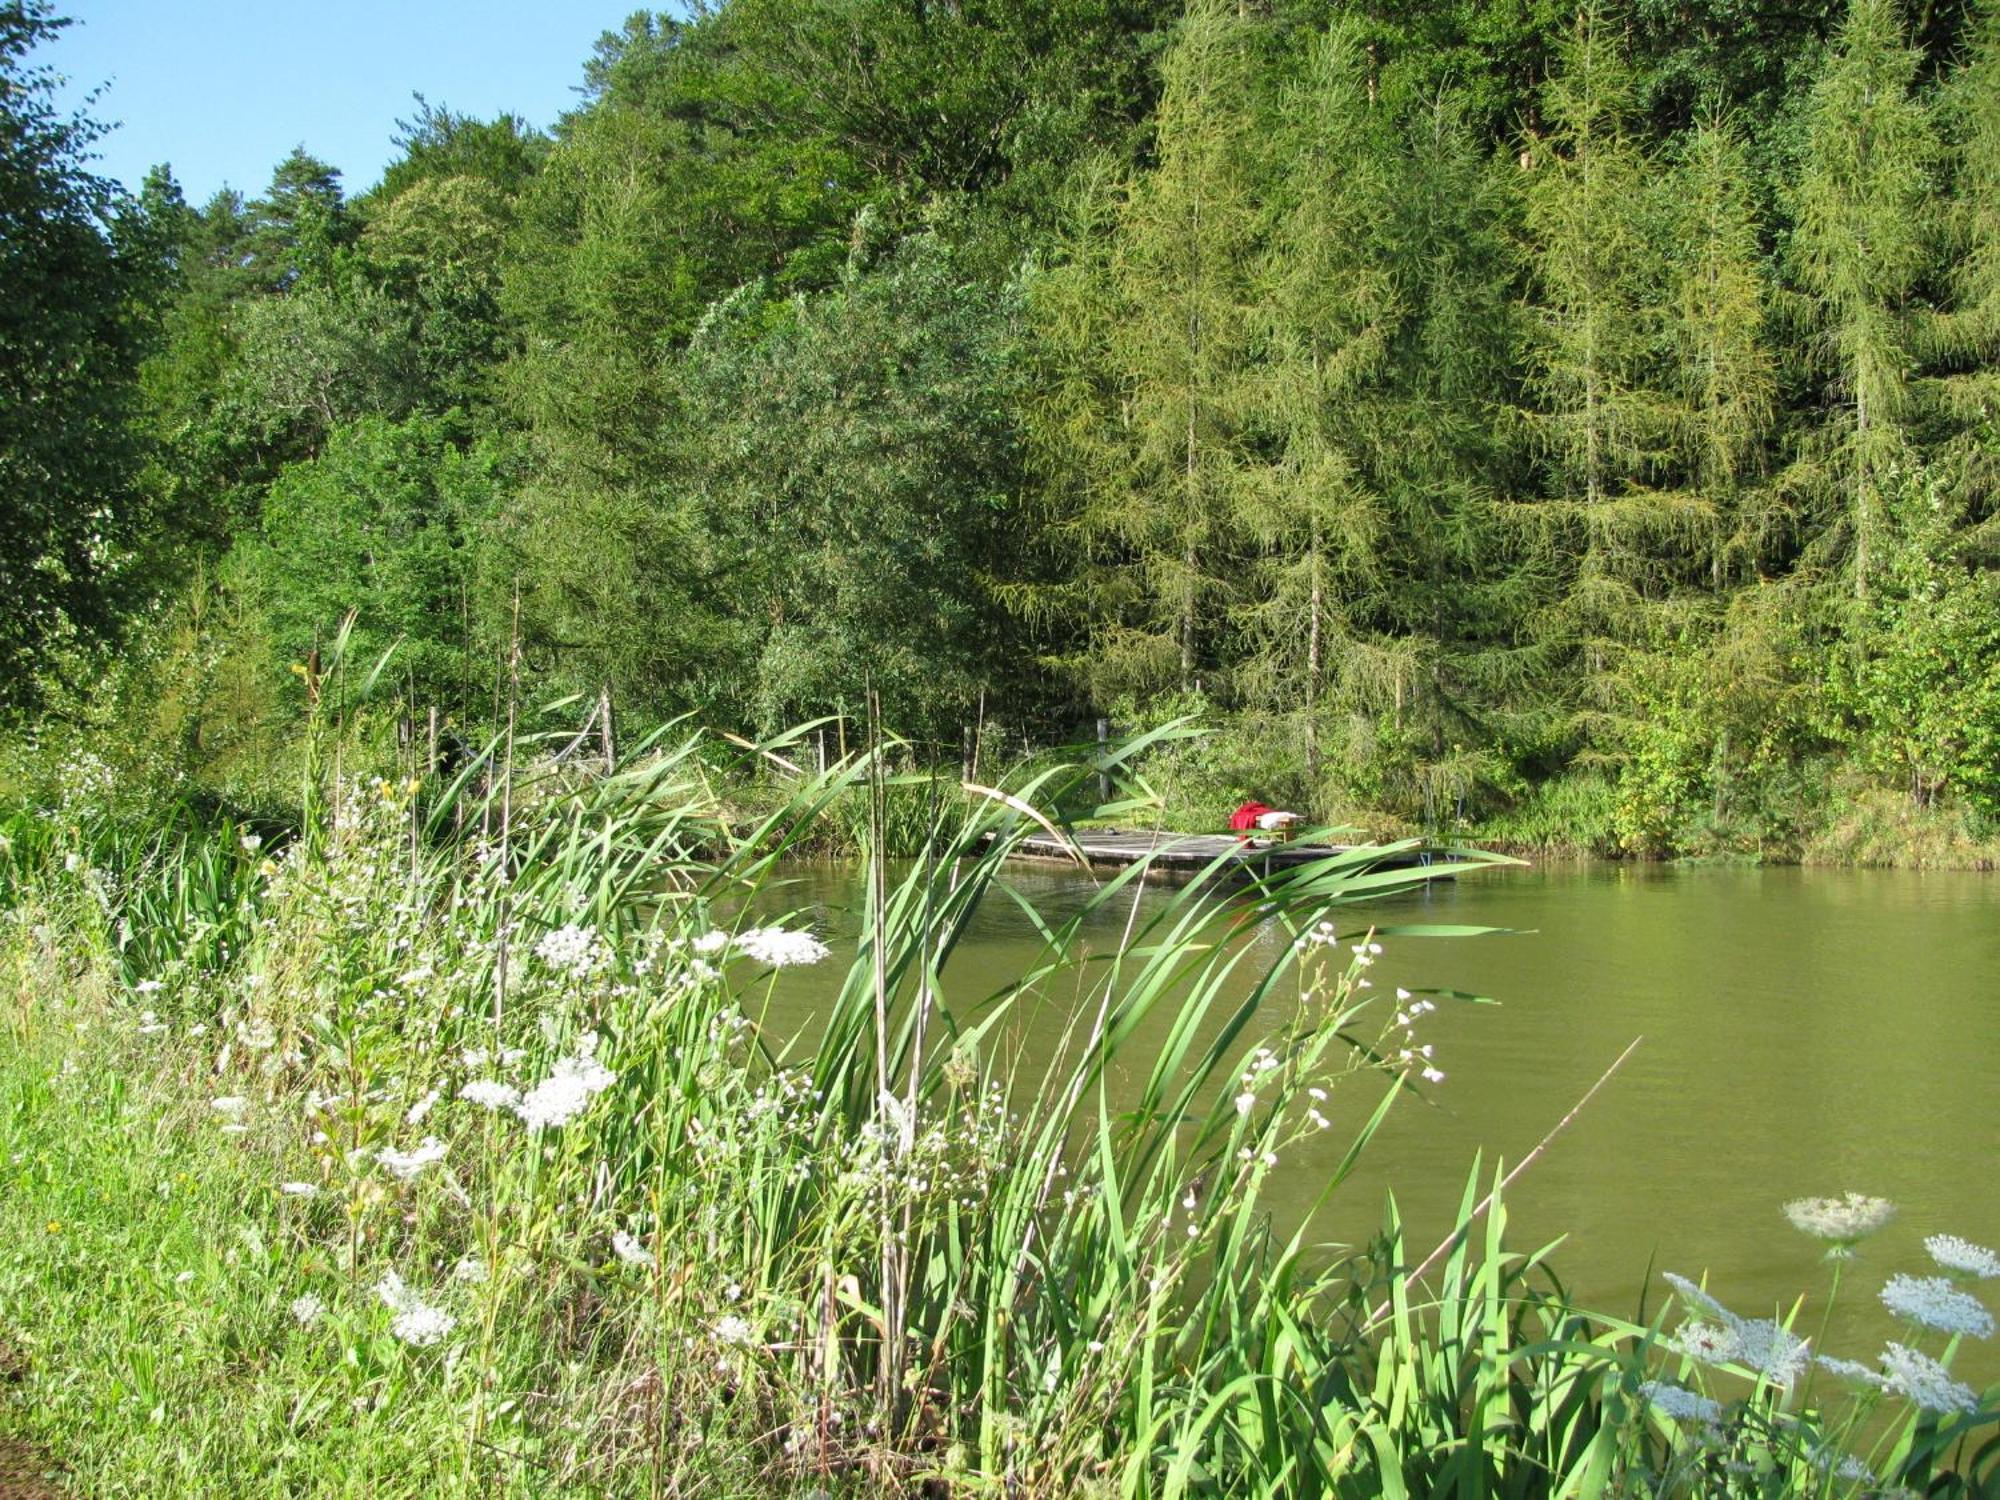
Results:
x,y
1843,1221
470,1269
299,1189
1245,1102
394,1293
1776,1353
489,1094
1850,1370
1679,1403
629,1250
710,943
148,987
1702,1341
1433,1075
779,948
1936,1303
565,1093
421,1325
1691,1293
573,949
184,1278
229,1104
731,1330
150,1024
306,1310
1962,1256
1926,1382
251,843
421,1108
405,1165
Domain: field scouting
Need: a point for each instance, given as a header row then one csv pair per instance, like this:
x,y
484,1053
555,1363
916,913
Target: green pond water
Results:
x,y
1805,1032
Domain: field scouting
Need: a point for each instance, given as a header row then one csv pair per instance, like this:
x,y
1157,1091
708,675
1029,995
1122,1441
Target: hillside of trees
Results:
x,y
1571,425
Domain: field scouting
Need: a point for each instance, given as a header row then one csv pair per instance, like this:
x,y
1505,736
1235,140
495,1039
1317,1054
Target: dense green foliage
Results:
x,y
373,1164
1455,401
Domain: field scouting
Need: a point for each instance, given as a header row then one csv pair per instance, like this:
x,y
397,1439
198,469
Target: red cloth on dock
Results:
x,y
1244,819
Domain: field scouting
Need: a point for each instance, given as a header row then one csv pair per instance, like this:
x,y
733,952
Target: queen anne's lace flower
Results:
x,y
1842,1221
1926,1382
299,1189
1962,1256
1848,1369
779,948
1936,1303
404,1165
732,1330
306,1310
1776,1353
417,1323
1680,1404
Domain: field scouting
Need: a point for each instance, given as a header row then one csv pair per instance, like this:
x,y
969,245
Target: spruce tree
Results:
x,y
1860,245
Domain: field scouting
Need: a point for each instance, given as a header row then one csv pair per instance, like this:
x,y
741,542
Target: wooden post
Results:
x,y
1103,778
820,740
966,754
431,743
604,734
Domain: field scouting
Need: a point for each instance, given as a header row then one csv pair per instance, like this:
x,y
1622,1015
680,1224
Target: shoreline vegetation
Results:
x,y
437,1148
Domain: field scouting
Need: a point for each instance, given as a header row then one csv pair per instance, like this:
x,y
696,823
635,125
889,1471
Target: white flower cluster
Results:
x,y
1679,1403
417,1322
306,1310
1321,935
1413,1054
628,1249
568,1089
1925,1381
1963,1257
1842,1221
779,948
574,949
1759,1344
405,1165
1936,1303
490,1094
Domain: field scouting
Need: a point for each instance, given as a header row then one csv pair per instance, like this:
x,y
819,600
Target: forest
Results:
x,y
1570,426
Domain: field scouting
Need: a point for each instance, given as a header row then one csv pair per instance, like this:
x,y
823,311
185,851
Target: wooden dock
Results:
x,y
1115,847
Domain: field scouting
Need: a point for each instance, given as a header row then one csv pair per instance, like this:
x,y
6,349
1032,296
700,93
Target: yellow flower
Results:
x,y
55,1226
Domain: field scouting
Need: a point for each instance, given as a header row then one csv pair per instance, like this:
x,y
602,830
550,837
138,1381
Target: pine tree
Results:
x,y
1861,243
1150,333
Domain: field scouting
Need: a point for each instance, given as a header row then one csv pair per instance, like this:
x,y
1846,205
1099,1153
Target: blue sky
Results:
x,y
223,89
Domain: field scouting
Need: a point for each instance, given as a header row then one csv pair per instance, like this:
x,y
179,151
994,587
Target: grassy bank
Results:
x,y
441,1151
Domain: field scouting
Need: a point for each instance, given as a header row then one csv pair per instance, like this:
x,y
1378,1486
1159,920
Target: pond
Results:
x,y
1806,1032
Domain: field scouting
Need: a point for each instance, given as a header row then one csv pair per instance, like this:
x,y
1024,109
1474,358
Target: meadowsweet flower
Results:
x,y
306,1310
489,1094
1924,1381
1962,1256
1936,1303
299,1189
629,1250
573,949
1679,1403
565,1093
731,1330
779,948
421,1325
1843,1222
405,1165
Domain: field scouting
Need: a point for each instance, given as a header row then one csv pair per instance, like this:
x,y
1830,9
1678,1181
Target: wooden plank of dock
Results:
x,y
1178,851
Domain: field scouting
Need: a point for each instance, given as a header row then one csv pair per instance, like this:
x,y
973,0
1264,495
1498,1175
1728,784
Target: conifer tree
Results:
x,y
1327,309
1150,330
1722,372
1860,243
1599,419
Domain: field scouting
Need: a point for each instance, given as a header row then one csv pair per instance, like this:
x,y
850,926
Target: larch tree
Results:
x,y
1326,312
1151,331
1861,242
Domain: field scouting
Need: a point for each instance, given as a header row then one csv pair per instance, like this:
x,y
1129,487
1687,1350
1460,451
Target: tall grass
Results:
x,y
491,1177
